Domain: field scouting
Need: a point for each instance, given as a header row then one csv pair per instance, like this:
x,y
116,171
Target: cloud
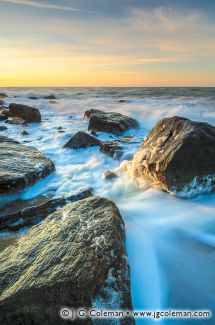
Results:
x,y
44,5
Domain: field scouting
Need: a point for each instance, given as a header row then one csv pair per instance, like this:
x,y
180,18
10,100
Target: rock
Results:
x,y
60,128
112,149
4,111
178,155
21,166
108,174
17,121
27,113
3,128
23,132
110,122
82,140
1,102
29,216
75,258
2,95
33,97
50,97
3,117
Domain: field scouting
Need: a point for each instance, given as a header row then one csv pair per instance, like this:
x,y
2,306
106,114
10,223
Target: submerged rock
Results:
x,y
3,128
17,121
74,258
27,113
30,215
109,122
1,102
33,97
82,140
178,155
21,166
108,174
23,132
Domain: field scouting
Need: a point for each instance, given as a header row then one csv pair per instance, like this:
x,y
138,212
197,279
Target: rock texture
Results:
x,y
110,122
108,174
112,149
29,216
16,121
178,155
82,140
21,166
74,258
27,113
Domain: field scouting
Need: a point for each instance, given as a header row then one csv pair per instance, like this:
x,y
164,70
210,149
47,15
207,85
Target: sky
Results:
x,y
107,43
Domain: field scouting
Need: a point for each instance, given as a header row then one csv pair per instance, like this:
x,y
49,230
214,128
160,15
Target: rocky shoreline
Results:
x,y
73,252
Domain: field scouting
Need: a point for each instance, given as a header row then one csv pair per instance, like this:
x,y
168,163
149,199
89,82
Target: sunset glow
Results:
x,y
101,43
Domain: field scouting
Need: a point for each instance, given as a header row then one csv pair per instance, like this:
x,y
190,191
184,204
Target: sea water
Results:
x,y
170,241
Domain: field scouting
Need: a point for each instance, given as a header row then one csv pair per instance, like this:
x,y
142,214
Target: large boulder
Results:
x,y
178,155
21,166
110,122
74,258
82,140
27,113
35,213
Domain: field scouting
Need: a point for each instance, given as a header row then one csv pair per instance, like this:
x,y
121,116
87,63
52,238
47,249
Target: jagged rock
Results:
x,y
30,215
50,97
109,122
75,258
3,128
112,149
178,155
108,174
27,113
2,95
21,166
17,121
23,132
82,140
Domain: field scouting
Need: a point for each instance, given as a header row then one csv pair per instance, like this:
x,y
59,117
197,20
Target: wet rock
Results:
x,y
50,97
82,140
27,113
109,122
2,95
112,149
23,132
17,121
30,215
178,155
33,97
3,128
1,102
4,111
21,166
3,117
75,257
108,174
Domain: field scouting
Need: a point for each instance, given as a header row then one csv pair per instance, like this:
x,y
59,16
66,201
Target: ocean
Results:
x,y
170,241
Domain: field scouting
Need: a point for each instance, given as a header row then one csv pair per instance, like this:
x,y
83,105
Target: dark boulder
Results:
x,y
23,132
28,216
112,149
50,97
178,155
82,140
21,166
27,113
1,102
2,95
109,122
75,258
